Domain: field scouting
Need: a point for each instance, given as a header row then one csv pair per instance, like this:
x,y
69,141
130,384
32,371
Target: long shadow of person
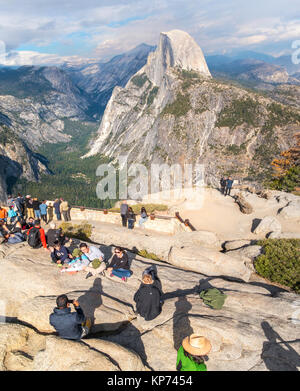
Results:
x,y
129,337
278,355
181,323
91,300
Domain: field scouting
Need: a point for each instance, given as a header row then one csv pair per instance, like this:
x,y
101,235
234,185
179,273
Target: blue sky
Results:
x,y
103,28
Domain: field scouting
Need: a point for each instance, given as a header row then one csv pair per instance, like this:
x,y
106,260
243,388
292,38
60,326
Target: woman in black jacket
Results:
x,y
119,265
148,298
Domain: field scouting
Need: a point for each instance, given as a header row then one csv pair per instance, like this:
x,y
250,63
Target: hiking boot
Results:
x,y
88,275
124,279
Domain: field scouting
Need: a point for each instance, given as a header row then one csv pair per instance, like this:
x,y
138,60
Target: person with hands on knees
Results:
x,y
119,265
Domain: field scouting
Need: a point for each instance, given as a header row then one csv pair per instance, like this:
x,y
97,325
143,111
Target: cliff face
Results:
x,y
37,100
173,111
17,161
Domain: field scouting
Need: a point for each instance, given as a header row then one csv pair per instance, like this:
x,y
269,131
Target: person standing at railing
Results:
x,y
56,207
65,210
123,212
131,218
143,218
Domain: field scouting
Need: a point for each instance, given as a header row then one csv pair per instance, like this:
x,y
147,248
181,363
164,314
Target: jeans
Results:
x,y
142,221
228,190
121,273
58,216
130,224
44,217
124,220
37,214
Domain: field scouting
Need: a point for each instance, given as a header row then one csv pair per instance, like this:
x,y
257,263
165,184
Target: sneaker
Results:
x,y
124,279
88,275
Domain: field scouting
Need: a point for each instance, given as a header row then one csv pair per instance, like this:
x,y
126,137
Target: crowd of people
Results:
x,y
226,185
22,222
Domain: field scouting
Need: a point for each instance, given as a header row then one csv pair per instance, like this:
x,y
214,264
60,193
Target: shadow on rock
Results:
x,y
181,323
277,354
92,300
255,223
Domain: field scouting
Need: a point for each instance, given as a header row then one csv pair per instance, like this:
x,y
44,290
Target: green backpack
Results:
x,y
213,298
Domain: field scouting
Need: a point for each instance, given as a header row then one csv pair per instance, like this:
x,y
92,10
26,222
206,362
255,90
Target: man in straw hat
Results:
x,y
192,352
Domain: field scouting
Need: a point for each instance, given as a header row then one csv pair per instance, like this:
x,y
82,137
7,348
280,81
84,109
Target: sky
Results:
x,y
39,31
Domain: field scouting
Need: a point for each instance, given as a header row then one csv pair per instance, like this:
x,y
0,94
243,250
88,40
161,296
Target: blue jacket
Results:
x,y
43,209
57,207
229,183
68,324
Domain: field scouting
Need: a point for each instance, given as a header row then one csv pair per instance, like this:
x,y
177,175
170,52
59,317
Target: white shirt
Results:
x,y
94,253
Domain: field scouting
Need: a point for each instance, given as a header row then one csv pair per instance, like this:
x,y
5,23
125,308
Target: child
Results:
x,y
192,352
80,262
11,214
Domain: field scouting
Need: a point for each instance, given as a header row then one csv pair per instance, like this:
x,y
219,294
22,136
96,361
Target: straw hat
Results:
x,y
196,345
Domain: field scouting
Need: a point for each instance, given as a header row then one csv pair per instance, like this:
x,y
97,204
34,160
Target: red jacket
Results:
x,y
42,236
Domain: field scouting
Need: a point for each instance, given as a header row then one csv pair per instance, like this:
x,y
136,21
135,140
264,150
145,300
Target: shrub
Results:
x,y
81,231
139,80
280,262
179,107
145,254
238,112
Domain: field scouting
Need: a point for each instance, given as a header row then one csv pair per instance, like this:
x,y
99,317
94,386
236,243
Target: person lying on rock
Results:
x,y
79,262
69,325
93,253
119,265
192,353
148,298
14,238
60,254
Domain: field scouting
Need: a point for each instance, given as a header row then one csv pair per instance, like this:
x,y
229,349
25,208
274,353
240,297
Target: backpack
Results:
x,y
34,239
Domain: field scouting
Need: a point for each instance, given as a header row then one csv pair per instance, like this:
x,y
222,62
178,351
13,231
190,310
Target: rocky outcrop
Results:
x,y
17,161
246,334
244,206
172,111
267,225
291,211
23,349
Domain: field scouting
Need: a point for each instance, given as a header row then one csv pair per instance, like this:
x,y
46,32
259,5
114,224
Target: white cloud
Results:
x,y
114,26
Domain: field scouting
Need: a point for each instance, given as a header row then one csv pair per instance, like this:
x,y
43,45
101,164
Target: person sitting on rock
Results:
x,y
55,234
119,265
93,253
69,325
79,262
36,236
192,353
29,224
60,254
3,229
148,298
3,214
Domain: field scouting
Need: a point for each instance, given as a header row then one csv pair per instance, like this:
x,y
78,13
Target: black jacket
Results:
x,y
68,324
148,301
54,235
36,205
119,263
